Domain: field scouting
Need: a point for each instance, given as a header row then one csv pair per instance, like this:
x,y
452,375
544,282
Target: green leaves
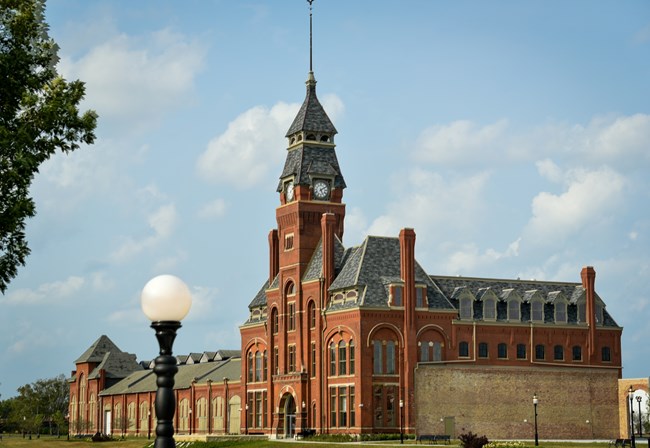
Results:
x,y
39,115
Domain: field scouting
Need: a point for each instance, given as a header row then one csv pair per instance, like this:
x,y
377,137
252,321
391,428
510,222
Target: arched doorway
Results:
x,y
288,415
234,417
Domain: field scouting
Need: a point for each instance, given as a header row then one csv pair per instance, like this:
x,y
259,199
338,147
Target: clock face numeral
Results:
x,y
321,189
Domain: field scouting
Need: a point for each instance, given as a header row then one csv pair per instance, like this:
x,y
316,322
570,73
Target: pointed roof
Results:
x,y
97,350
311,116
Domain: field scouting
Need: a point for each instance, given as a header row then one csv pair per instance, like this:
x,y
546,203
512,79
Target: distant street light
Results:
x,y
630,394
401,421
638,400
535,401
165,300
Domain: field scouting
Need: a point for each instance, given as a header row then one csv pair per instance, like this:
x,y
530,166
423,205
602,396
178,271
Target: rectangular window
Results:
x,y
390,357
419,297
424,351
332,359
352,355
558,353
502,350
288,241
514,313
333,406
466,308
560,312
292,358
397,296
606,354
313,360
489,309
276,360
352,417
291,325
343,407
378,408
537,311
378,362
521,351
463,349
539,352
390,406
265,404
258,409
482,350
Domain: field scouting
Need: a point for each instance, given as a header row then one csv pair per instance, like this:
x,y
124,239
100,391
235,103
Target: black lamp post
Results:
x,y
165,300
638,400
401,421
535,401
630,394
246,420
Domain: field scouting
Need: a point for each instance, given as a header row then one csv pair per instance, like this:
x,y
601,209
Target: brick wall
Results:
x,y
574,403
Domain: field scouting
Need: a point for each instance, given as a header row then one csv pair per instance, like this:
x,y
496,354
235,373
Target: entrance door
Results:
x,y
289,409
107,422
234,411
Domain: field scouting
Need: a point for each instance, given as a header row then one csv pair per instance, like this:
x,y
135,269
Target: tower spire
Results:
x,y
311,69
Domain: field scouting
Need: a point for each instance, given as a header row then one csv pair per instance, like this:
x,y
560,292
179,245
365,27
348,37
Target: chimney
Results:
x,y
588,275
407,271
274,255
327,222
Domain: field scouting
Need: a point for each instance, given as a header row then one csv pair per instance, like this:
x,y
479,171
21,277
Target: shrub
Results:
x,y
471,440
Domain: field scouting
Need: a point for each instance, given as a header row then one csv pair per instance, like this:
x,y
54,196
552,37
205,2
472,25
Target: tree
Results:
x,y
41,402
39,115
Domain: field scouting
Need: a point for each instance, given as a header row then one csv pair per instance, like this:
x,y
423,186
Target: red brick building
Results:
x,y
336,335
364,340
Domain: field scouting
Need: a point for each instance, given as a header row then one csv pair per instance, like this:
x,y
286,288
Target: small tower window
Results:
x,y
292,141
324,138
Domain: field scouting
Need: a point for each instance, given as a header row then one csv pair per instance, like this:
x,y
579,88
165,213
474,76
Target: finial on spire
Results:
x,y
310,39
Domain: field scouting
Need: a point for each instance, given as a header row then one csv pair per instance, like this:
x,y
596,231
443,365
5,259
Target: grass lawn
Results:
x,y
17,441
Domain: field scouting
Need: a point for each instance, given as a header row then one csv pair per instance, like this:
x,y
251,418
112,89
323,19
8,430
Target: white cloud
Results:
x,y
162,222
469,259
243,154
169,263
47,292
202,299
431,203
589,196
213,209
134,80
549,170
459,142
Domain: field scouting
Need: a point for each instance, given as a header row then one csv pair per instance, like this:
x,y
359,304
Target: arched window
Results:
x,y
483,350
275,322
424,351
502,351
577,353
343,358
258,366
521,351
265,365
312,314
352,357
558,353
144,416
290,289
250,367
463,349
390,357
332,359
540,352
378,362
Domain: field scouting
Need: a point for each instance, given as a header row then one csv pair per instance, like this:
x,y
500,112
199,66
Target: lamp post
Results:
x,y
638,400
165,300
535,401
246,420
401,421
630,394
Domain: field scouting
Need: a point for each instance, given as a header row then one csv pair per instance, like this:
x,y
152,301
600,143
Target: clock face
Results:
x,y
321,189
289,191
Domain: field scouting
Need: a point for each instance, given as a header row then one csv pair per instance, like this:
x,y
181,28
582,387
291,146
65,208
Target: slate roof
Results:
x,y
260,298
315,268
145,380
372,267
305,161
116,365
452,287
96,352
311,116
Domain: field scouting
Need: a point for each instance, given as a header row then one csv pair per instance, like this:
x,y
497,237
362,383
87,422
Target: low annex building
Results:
x,y
362,339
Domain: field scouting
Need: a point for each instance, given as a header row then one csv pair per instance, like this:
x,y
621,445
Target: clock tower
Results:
x,y
311,184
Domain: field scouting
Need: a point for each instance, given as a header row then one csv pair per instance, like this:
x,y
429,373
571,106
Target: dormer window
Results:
x,y
582,312
466,308
397,298
560,312
489,309
514,310
325,138
537,311
420,297
599,313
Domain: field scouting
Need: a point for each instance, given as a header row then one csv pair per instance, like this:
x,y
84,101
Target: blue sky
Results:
x,y
514,137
